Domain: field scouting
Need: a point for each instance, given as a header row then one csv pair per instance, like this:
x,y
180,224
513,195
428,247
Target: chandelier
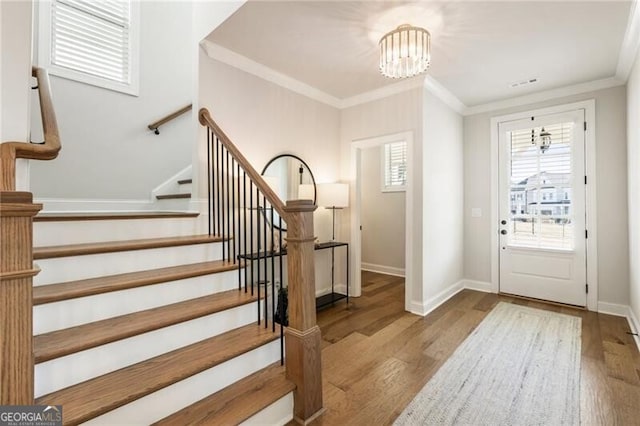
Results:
x,y
405,52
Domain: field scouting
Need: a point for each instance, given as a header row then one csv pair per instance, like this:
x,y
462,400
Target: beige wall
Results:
x,y
611,170
437,159
107,150
383,217
443,202
633,154
395,114
263,120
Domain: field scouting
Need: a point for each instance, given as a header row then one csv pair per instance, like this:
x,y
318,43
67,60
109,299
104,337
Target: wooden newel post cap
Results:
x,y
300,206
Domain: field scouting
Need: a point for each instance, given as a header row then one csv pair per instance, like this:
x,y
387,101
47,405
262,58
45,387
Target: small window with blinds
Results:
x,y
541,186
394,166
94,42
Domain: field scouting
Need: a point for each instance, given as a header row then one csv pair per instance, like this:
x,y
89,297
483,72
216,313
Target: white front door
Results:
x,y
542,207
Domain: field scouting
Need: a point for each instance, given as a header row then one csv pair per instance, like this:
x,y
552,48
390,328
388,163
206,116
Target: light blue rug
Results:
x,y
521,366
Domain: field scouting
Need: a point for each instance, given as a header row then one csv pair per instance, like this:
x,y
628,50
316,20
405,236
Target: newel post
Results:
x,y
303,334
16,297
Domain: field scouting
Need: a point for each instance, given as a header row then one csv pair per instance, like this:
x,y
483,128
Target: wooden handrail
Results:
x,y
256,178
154,126
10,151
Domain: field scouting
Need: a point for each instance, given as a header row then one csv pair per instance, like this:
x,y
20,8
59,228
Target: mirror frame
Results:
x,y
315,186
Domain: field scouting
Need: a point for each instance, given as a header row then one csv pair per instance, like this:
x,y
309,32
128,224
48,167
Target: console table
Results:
x,y
324,300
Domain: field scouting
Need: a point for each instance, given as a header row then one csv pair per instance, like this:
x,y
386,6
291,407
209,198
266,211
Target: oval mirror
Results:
x,y
291,178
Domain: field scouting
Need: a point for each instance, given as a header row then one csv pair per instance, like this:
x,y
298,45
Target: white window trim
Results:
x,y
383,168
44,53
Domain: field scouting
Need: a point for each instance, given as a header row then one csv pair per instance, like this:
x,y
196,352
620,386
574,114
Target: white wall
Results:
x,y
395,114
383,217
633,170
443,206
611,171
15,77
264,120
107,150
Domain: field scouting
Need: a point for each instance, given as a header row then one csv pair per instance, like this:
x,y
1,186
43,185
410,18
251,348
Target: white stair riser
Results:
x,y
174,204
92,231
276,414
167,401
73,312
72,268
75,368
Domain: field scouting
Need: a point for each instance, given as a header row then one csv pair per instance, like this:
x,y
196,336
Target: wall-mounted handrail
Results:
x,y
272,197
10,151
156,124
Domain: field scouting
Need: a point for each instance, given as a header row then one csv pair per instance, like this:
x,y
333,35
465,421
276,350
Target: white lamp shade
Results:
x,y
306,192
333,195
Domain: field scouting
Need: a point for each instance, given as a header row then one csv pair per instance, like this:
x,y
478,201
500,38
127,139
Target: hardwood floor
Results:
x,y
376,357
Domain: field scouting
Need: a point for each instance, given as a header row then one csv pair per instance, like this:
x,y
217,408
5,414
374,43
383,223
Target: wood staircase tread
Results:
x,y
185,181
81,216
97,396
115,246
63,342
237,402
92,286
173,196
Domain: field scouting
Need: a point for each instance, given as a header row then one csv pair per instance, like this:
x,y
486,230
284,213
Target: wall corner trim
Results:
x,y
635,325
432,303
630,44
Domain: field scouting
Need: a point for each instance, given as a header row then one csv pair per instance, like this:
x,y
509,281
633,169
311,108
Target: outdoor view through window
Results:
x,y
540,188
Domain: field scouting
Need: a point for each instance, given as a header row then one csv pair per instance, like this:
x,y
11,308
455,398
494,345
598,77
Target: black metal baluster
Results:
x,y
236,212
219,188
259,240
229,211
251,233
224,207
244,232
283,312
209,177
273,272
266,283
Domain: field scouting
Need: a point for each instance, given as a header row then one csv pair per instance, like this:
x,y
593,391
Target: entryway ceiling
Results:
x,y
478,48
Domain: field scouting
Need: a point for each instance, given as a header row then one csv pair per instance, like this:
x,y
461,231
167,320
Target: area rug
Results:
x,y
520,366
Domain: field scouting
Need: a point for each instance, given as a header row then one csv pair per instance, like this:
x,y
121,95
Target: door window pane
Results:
x,y
540,186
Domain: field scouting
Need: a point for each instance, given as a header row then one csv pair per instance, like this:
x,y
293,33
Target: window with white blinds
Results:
x,y
541,187
94,42
394,166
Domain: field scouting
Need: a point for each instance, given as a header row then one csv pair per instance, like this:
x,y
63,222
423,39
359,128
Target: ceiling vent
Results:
x,y
523,83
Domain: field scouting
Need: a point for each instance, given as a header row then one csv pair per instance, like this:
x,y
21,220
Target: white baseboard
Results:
x,y
382,269
613,309
478,286
432,303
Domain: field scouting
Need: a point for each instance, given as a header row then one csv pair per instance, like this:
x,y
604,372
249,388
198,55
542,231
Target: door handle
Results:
x,y
503,232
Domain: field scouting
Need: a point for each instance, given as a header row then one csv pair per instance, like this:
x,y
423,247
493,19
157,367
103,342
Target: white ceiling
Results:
x,y
478,48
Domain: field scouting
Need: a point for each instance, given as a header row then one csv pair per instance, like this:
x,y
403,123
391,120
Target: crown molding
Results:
x,y
437,89
546,95
229,57
382,92
630,44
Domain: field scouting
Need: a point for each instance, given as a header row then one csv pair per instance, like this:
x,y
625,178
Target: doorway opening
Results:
x,y
381,235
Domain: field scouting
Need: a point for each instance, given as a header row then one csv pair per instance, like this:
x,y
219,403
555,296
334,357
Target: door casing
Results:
x,y
590,197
